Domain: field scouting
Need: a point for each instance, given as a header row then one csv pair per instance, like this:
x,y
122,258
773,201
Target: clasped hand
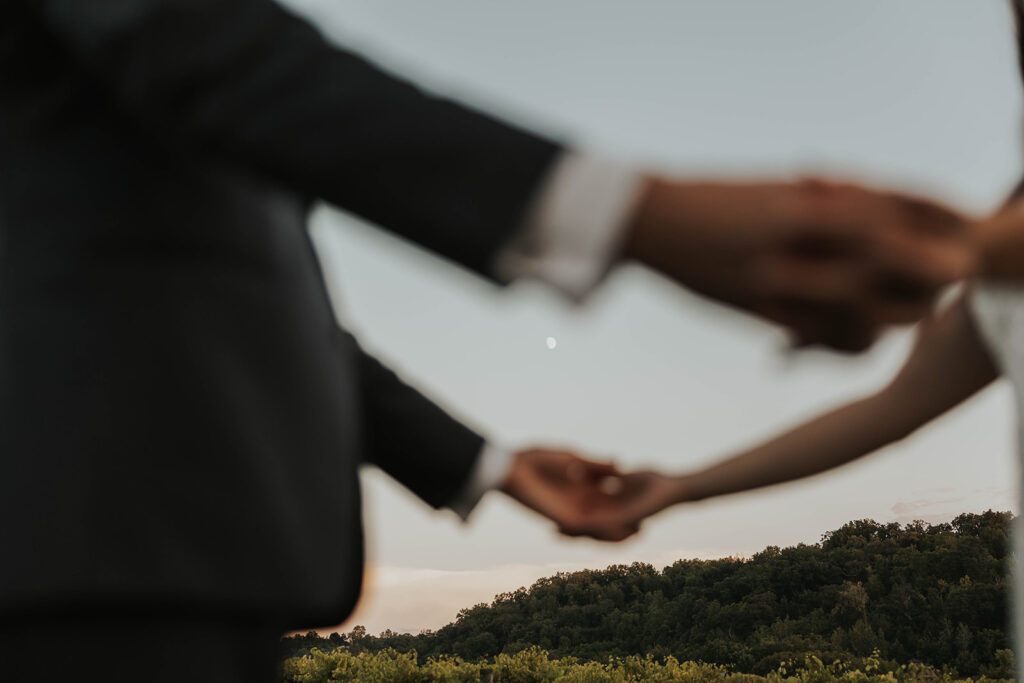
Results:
x,y
587,498
833,262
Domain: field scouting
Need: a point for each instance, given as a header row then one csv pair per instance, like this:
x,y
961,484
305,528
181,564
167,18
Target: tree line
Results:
x,y
934,594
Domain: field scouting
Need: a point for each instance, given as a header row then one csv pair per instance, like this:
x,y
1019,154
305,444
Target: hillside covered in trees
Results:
x,y
934,594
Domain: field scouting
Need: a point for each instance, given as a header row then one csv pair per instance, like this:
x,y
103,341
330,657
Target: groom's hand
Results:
x,y
834,263
587,498
570,491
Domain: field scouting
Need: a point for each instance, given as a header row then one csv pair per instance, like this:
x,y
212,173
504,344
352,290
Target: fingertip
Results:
x,y
569,531
626,533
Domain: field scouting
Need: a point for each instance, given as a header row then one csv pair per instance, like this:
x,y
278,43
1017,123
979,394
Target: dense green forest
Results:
x,y
919,593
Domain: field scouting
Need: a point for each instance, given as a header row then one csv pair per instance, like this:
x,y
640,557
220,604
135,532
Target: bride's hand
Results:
x,y
588,498
627,500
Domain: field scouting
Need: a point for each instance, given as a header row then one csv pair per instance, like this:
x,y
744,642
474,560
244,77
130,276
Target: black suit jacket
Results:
x,y
1018,16
180,418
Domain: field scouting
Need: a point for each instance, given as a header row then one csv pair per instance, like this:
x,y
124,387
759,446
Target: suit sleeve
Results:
x,y
412,438
248,80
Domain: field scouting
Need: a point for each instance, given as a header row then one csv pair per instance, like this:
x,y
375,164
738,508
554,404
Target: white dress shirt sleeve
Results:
x,y
575,226
569,241
490,469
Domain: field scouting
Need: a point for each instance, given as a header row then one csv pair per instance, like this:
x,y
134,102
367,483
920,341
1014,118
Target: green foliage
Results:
x,y
533,665
868,594
387,666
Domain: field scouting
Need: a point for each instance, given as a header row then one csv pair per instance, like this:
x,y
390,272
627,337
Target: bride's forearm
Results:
x,y
948,365
827,442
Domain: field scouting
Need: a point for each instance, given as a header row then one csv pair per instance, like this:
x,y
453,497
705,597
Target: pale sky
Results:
x,y
920,93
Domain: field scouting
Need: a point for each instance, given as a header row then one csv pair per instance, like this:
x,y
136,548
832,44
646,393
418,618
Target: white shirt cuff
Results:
x,y
575,226
489,471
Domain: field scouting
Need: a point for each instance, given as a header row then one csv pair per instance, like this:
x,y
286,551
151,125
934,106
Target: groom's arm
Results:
x,y
250,81
411,438
447,464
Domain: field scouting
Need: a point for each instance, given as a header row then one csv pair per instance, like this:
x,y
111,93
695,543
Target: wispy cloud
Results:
x,y
941,507
904,508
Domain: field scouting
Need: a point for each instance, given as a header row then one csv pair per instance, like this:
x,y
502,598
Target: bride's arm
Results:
x,y
1001,243
948,364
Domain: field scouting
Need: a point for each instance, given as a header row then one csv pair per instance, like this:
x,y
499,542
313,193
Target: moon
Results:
x,y
551,343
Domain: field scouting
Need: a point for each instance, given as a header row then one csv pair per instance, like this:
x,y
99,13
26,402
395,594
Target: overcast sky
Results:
x,y
920,93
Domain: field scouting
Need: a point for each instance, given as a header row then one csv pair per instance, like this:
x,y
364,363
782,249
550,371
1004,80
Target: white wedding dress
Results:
x,y
999,313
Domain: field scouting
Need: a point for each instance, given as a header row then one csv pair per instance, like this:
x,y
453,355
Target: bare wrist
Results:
x,y
639,242
658,227
686,489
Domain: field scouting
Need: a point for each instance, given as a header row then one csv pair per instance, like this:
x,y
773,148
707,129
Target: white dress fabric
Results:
x,y
998,311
